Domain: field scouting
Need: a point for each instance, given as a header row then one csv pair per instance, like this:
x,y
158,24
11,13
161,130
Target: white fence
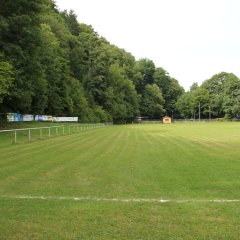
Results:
x,y
31,134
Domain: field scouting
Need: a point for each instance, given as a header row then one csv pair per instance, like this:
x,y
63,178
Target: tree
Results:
x,y
6,78
170,87
152,104
201,100
185,105
54,65
144,71
189,103
215,87
120,97
52,62
221,96
19,42
71,21
194,87
231,101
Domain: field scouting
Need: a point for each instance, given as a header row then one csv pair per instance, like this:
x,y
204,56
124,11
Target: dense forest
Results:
x,y
217,97
51,64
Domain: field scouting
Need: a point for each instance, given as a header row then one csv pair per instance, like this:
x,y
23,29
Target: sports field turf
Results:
x,y
112,183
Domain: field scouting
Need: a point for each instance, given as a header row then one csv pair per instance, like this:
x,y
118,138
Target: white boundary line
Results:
x,y
139,200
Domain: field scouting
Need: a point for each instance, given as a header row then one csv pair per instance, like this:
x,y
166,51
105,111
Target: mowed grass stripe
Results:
x,y
179,167
10,150
150,161
27,153
118,176
38,158
167,166
60,144
72,168
37,219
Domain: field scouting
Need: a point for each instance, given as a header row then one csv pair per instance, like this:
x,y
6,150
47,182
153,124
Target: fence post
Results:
x,y
49,132
15,137
40,133
29,135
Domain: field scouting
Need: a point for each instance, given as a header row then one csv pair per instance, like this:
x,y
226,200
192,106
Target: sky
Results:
x,y
191,39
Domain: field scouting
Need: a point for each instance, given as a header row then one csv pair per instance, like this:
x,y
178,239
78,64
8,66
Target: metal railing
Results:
x,y
31,134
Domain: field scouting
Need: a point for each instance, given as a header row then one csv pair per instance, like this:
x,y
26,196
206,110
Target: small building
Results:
x,y
166,119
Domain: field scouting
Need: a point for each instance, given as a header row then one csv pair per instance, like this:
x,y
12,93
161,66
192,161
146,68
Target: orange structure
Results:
x,y
166,119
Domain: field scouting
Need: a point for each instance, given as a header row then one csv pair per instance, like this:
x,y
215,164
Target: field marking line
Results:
x,y
140,200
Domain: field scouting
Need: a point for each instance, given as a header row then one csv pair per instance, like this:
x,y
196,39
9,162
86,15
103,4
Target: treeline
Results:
x,y
217,97
51,64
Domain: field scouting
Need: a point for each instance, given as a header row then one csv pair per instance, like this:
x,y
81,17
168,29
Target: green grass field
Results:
x,y
116,175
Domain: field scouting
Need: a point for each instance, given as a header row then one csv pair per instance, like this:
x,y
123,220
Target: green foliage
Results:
x,y
185,105
218,97
6,78
71,22
152,102
215,87
52,64
189,103
171,89
201,99
60,67
144,71
120,96
194,87
20,41
231,101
